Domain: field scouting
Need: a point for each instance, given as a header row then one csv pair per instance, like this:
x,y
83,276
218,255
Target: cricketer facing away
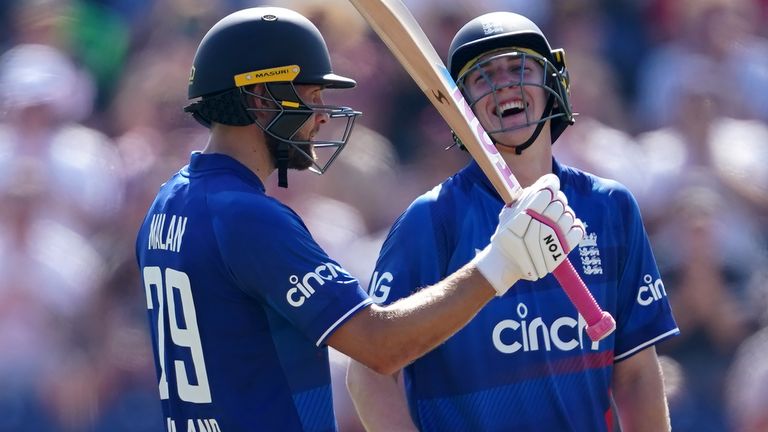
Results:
x,y
242,302
524,362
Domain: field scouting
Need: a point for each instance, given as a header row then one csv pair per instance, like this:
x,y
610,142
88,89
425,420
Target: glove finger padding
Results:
x,y
554,210
541,200
565,222
575,234
548,182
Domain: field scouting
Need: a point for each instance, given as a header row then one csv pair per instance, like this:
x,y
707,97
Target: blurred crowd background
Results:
x,y
673,102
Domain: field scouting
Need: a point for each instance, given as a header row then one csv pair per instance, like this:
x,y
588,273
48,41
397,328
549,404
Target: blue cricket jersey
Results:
x,y
241,299
525,363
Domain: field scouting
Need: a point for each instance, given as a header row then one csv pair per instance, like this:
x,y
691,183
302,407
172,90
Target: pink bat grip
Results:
x,y
599,323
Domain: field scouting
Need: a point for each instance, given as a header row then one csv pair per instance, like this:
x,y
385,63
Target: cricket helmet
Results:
x,y
498,31
275,47
259,39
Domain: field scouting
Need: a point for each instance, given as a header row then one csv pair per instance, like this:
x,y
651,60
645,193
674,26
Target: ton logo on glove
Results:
x,y
552,246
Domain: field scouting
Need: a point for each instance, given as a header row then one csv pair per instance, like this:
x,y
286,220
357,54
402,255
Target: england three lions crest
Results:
x,y
589,255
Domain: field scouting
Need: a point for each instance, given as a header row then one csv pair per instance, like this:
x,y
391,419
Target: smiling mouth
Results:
x,y
510,108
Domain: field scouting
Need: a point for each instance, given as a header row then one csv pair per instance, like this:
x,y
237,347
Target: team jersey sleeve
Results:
x,y
271,255
411,256
644,315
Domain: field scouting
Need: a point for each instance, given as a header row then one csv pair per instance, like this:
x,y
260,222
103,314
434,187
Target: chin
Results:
x,y
506,149
297,160
510,140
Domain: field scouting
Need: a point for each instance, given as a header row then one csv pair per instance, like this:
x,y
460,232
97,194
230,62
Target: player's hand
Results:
x,y
534,236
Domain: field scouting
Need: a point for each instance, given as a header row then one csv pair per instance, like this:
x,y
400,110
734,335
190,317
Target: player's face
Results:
x,y
305,128
508,94
312,96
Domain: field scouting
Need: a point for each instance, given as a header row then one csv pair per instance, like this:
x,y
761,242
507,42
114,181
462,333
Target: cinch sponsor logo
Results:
x,y
565,333
304,287
652,291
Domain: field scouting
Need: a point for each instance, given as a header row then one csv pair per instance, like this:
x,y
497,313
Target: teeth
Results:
x,y
510,105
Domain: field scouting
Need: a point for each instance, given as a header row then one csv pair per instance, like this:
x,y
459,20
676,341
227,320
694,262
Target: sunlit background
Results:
x,y
673,102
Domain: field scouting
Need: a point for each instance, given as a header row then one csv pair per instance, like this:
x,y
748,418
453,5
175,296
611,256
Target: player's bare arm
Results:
x,y
379,399
639,393
387,338
523,247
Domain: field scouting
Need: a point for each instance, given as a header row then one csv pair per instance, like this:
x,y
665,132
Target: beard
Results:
x,y
296,159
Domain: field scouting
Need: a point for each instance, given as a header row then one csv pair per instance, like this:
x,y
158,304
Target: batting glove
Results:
x,y
533,237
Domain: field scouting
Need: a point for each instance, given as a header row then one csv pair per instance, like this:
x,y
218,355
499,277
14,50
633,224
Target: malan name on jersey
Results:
x,y
166,233
193,425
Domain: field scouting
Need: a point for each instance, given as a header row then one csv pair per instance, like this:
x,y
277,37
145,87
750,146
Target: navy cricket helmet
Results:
x,y
259,39
498,31
279,49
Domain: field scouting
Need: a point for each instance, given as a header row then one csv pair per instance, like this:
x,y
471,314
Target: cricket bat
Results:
x,y
400,31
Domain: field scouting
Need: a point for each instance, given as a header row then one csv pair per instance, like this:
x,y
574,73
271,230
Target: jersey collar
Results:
x,y
473,170
200,163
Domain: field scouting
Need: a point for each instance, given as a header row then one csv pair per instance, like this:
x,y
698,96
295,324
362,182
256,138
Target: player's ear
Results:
x,y
261,104
256,96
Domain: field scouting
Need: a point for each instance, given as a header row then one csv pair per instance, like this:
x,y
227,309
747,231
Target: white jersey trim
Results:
x,y
646,344
365,302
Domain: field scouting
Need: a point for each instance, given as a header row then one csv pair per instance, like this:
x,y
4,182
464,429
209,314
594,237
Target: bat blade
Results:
x,y
402,34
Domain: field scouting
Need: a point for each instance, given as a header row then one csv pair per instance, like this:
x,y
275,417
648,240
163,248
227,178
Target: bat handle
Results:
x,y
599,323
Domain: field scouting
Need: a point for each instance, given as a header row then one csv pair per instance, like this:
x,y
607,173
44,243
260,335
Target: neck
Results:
x,y
246,144
532,163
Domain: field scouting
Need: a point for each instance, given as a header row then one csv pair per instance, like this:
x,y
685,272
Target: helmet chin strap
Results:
x,y
282,164
520,148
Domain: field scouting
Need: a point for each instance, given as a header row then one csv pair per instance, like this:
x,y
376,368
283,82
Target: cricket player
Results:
x,y
524,362
242,302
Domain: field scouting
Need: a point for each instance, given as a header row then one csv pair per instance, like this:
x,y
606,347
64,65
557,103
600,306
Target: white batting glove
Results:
x,y
534,236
